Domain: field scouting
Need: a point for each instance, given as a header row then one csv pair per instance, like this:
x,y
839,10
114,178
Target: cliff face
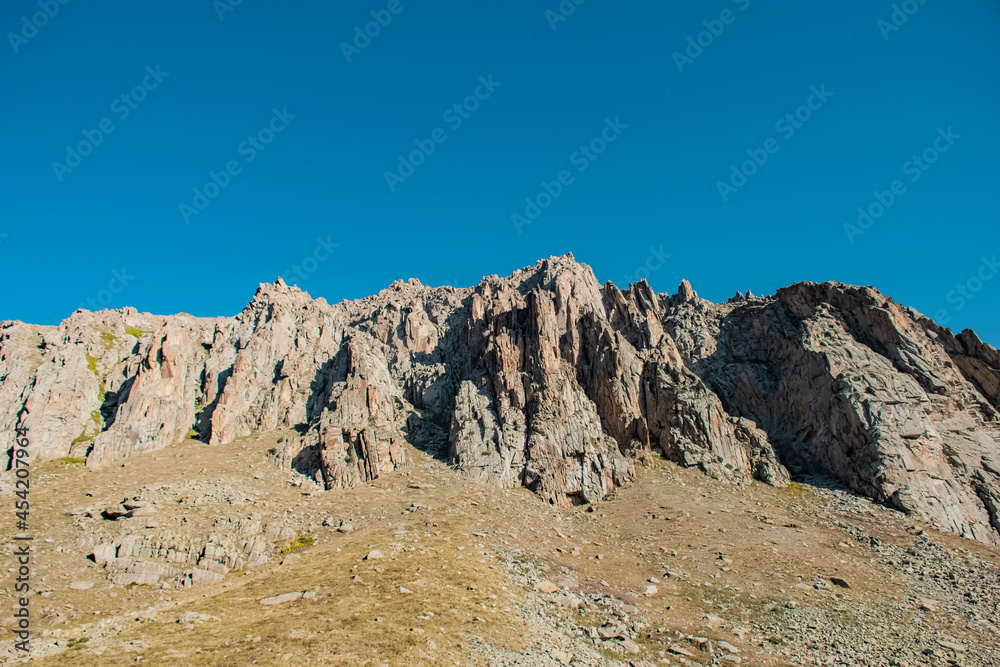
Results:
x,y
546,379
848,383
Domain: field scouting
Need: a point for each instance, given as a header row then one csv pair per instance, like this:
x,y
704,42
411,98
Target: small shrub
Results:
x,y
300,542
76,643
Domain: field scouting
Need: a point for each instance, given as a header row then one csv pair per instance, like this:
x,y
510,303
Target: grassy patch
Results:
x,y
795,489
138,333
108,339
76,643
83,437
299,543
70,461
92,365
95,415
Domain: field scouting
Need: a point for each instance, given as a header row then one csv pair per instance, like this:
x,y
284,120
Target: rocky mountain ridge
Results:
x,y
545,378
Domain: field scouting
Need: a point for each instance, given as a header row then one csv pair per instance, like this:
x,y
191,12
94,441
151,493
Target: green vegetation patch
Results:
x,y
92,365
69,460
299,543
138,333
795,489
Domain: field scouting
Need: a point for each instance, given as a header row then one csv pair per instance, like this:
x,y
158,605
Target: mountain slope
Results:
x,y
546,379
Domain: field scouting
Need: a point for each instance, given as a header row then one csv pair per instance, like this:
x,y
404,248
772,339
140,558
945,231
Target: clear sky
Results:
x,y
290,122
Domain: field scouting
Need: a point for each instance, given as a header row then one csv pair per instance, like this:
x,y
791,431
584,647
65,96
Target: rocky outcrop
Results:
x,y
169,560
155,406
545,378
358,434
63,383
847,383
979,362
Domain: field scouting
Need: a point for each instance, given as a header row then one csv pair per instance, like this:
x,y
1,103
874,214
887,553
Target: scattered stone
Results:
x,y
729,648
193,617
546,587
561,657
631,646
282,599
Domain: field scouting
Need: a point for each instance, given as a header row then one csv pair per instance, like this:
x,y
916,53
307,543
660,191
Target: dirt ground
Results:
x,y
748,575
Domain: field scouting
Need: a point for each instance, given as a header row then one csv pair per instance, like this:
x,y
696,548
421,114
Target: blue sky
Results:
x,y
621,131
